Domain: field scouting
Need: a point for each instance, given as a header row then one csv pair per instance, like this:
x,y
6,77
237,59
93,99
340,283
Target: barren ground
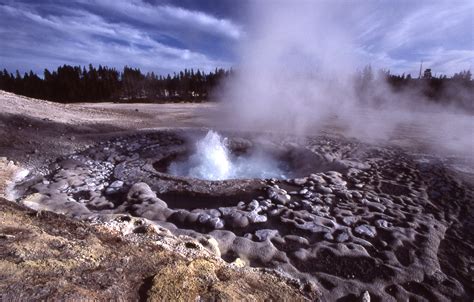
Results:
x,y
49,256
395,222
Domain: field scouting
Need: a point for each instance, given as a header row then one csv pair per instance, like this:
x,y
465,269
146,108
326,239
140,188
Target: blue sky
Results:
x,y
167,36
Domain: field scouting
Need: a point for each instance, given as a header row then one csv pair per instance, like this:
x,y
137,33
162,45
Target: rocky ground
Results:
x,y
49,256
354,221
46,256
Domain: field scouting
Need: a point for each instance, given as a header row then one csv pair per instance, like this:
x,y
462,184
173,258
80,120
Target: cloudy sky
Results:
x,y
166,36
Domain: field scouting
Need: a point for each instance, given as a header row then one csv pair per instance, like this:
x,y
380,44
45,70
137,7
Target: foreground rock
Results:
x,y
369,219
49,256
390,226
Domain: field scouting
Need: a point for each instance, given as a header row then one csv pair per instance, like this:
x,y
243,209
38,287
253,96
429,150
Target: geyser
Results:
x,y
213,160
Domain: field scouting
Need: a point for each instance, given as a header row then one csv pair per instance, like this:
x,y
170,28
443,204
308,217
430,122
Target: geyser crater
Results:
x,y
216,158
340,216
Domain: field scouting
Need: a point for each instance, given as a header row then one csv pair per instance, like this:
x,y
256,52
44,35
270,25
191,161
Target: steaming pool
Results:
x,y
215,158
347,216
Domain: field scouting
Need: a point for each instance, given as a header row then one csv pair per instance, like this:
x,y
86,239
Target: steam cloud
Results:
x,y
213,161
296,75
289,66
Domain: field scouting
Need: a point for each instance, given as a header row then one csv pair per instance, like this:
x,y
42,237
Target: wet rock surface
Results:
x,y
359,221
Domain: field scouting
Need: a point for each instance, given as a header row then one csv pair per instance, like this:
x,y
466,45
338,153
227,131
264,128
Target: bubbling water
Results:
x,y
213,161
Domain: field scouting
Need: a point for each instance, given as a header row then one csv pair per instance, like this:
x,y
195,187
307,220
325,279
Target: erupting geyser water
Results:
x,y
213,161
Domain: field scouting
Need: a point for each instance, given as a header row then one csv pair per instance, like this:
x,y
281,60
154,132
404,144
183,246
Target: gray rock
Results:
x,y
328,236
272,192
203,218
303,191
343,194
239,221
282,198
266,202
365,297
328,200
349,220
380,207
100,203
192,217
214,213
342,237
254,217
116,184
300,181
317,179
141,192
275,212
323,190
265,234
366,230
248,236
180,215
296,239
381,223
253,205
306,205
226,211
216,223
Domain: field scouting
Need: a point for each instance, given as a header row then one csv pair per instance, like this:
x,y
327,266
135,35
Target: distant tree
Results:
x,y
367,74
363,82
463,76
88,83
132,83
427,74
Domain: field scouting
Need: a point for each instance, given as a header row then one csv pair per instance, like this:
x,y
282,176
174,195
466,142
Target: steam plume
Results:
x,y
296,75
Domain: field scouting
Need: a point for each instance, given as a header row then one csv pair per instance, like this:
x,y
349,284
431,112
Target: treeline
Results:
x,y
81,84
457,90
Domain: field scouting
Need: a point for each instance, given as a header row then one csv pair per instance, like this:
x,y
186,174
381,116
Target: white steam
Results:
x,y
296,74
294,67
213,161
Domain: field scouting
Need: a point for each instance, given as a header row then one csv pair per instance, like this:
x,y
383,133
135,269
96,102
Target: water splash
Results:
x,y
212,158
213,161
